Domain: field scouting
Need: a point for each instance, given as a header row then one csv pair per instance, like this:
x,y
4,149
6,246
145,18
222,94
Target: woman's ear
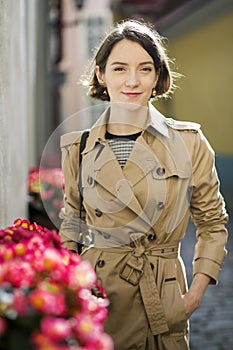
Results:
x,y
99,75
156,79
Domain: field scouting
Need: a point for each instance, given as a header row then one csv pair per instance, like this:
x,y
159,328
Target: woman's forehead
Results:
x,y
130,50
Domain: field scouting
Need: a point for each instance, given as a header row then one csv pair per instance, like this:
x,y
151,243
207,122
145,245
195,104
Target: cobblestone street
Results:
x,y
212,324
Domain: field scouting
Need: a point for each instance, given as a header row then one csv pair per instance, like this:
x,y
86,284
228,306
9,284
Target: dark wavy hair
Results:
x,y
149,39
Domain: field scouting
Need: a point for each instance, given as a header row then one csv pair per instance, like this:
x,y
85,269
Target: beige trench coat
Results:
x,y
138,216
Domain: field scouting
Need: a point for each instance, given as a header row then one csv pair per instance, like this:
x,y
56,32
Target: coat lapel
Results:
x,y
105,169
142,160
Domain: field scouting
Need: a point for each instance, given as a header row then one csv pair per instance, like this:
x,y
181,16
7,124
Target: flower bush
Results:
x,y
45,190
49,297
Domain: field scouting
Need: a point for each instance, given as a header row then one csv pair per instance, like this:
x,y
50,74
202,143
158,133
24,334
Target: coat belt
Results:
x,y
137,270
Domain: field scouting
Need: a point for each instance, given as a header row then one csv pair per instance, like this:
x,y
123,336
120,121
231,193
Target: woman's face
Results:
x,y
130,74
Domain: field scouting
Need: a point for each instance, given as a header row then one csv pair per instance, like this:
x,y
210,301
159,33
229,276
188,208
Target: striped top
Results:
x,y
122,146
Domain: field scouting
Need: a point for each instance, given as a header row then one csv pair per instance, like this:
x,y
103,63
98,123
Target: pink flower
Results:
x,y
20,249
57,203
70,258
40,176
84,327
97,307
47,194
6,253
36,243
41,280
19,273
56,328
52,259
81,276
103,342
43,342
47,302
20,303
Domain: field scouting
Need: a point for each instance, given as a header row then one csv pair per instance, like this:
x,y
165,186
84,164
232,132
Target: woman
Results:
x,y
142,177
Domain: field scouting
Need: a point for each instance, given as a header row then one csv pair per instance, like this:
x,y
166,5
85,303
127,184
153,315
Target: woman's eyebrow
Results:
x,y
120,63
147,62
125,64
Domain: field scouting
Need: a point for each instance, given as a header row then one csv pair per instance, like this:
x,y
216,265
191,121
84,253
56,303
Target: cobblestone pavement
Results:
x,y
211,325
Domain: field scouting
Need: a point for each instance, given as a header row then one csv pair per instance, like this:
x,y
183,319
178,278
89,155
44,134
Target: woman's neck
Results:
x,y
118,129
126,119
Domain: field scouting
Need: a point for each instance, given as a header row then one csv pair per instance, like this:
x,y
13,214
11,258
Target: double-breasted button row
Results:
x,y
98,212
100,263
90,180
160,171
151,237
106,235
160,205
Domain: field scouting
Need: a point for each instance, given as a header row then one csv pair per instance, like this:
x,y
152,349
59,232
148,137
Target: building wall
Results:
x,y
204,56
81,33
13,103
21,108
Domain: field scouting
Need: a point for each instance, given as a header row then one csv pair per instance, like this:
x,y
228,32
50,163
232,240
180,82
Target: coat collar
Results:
x,y
156,124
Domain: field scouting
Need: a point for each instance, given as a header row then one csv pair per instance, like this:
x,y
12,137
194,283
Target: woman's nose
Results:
x,y
132,80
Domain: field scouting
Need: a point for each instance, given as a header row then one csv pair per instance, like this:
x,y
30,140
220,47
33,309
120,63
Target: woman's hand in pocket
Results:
x,y
193,298
191,303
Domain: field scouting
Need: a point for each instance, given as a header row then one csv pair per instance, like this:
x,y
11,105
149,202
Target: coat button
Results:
x,y
106,235
160,205
98,212
90,180
160,171
151,237
101,263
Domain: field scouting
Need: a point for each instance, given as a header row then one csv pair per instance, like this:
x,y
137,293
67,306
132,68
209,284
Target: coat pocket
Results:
x,y
173,305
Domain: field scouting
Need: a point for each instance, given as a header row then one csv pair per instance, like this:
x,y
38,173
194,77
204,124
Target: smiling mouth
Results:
x,y
132,94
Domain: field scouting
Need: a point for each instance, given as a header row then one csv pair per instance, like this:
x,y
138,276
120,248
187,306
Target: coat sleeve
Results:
x,y
73,229
208,212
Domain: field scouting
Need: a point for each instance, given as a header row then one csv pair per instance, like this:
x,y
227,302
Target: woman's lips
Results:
x,y
132,94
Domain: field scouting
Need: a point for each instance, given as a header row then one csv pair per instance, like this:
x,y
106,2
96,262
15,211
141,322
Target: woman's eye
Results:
x,y
146,69
118,69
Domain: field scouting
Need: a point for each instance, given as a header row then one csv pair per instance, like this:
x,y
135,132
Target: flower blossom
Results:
x,y
56,328
81,276
50,290
47,302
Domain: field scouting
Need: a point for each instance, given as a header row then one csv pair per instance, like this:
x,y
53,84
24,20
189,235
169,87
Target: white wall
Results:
x,y
17,84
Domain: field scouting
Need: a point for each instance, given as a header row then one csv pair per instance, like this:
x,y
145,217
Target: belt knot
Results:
x,y
138,251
